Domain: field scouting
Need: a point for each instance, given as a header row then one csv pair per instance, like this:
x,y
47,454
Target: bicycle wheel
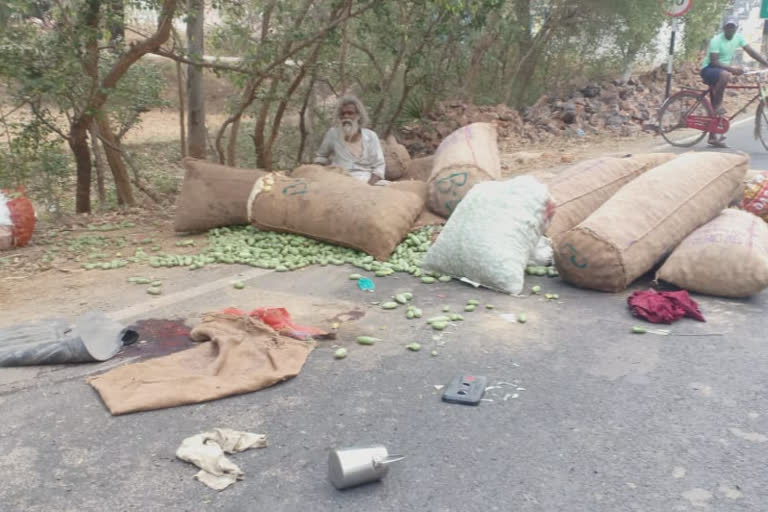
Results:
x,y
761,124
672,118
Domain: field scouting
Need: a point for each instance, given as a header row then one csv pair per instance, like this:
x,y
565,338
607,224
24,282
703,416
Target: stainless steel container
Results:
x,y
348,467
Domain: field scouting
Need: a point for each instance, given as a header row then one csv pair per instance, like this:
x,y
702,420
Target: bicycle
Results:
x,y
687,116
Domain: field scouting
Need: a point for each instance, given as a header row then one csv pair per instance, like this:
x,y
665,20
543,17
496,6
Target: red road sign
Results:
x,y
675,7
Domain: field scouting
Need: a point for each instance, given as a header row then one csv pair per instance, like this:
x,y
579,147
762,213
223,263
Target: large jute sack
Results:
x,y
580,189
334,208
468,156
419,169
646,219
396,158
213,195
727,256
426,218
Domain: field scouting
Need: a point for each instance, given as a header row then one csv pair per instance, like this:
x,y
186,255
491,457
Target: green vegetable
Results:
x,y
439,326
340,353
441,318
367,340
156,283
469,308
413,347
238,285
446,309
154,291
473,302
434,353
410,314
427,279
401,298
355,276
522,318
139,280
456,318
444,279
417,313
489,306
389,305
639,330
536,290
408,295
552,272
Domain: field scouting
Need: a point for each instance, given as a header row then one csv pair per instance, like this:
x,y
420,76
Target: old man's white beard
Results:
x,y
350,128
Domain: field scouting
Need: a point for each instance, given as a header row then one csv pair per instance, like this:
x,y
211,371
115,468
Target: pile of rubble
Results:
x,y
623,109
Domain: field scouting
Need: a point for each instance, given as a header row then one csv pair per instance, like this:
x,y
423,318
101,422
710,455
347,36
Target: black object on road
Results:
x,y
465,389
94,337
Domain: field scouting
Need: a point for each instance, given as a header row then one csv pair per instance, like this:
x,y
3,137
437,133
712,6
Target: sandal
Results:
x,y
717,143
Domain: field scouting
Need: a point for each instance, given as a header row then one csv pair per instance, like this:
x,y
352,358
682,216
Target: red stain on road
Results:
x,y
159,337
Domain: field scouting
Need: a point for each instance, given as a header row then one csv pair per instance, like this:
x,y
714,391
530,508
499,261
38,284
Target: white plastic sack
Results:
x,y
492,234
5,212
543,255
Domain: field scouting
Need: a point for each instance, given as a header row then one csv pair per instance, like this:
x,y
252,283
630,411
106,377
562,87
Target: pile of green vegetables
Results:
x,y
284,252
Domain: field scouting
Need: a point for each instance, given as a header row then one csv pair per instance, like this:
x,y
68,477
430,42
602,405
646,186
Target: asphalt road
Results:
x,y
739,138
587,417
582,415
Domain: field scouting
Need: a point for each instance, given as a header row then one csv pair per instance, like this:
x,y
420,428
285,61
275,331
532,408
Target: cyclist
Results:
x,y
717,70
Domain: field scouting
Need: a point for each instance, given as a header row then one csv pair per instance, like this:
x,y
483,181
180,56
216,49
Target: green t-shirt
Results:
x,y
719,44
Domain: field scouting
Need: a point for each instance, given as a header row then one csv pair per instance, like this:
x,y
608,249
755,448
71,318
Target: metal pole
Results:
x,y
671,58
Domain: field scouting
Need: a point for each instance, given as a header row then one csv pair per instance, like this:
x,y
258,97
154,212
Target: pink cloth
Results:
x,y
664,307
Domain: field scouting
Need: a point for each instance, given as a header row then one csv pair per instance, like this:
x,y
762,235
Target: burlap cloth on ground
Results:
x,y
240,354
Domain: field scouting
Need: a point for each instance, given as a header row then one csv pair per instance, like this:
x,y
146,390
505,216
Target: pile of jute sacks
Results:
x,y
611,219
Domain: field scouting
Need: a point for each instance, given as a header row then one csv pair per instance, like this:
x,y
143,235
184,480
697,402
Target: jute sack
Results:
x,y
237,354
419,169
213,195
426,218
468,156
334,208
646,219
580,189
396,158
727,256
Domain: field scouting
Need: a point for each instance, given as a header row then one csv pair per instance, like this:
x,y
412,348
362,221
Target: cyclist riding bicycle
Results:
x,y
716,71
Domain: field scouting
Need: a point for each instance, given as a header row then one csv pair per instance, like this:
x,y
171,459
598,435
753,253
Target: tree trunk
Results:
x,y
306,120
259,137
399,107
182,121
117,20
99,164
78,142
234,131
115,159
195,95
486,40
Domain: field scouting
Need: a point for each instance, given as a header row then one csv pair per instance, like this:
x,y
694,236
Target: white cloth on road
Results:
x,y
206,451
334,151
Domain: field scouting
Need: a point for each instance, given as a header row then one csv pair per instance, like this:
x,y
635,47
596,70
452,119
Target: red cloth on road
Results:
x,y
280,320
664,307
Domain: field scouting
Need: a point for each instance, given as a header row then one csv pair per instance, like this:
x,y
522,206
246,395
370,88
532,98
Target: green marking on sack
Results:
x,y
296,189
451,204
457,179
575,254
